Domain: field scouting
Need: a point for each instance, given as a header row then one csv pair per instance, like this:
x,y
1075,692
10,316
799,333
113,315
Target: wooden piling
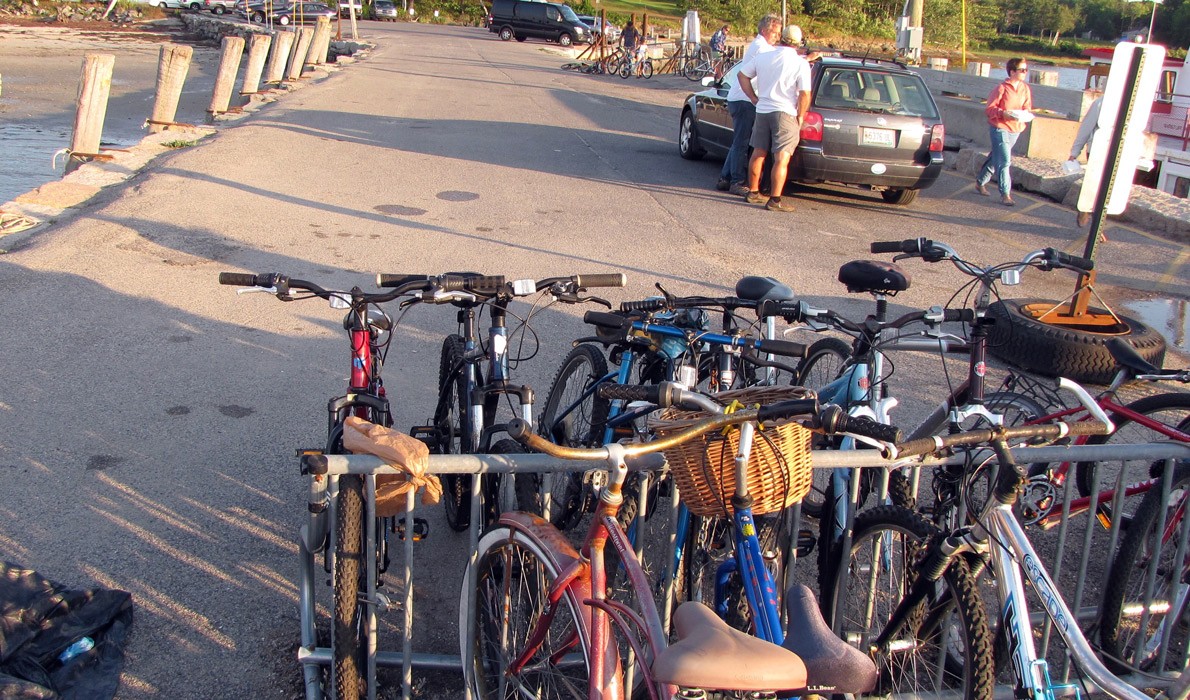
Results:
x,y
258,52
282,43
225,80
171,76
301,47
94,88
322,33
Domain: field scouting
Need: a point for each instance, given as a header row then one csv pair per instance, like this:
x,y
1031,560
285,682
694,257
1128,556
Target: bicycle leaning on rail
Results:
x,y
536,619
906,593
337,525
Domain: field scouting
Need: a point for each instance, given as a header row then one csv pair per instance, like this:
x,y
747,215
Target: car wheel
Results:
x,y
564,39
899,196
218,9
283,20
688,138
258,17
506,33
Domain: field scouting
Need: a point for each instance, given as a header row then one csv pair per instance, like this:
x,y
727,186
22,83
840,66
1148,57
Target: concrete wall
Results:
x,y
1046,137
1071,103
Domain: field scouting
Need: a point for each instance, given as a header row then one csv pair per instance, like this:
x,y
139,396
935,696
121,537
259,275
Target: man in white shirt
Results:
x,y
734,175
781,95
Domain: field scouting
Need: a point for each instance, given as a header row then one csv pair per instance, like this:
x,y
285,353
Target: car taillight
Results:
x,y
937,138
812,127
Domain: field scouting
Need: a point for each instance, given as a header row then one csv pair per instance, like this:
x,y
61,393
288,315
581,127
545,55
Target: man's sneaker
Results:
x,y
723,184
755,198
740,188
982,189
1007,201
776,204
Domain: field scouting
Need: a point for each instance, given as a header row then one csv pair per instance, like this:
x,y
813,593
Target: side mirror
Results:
x,y
708,81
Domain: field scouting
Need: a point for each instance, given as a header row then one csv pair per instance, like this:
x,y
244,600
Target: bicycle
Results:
x,y
698,67
535,618
634,62
465,413
337,525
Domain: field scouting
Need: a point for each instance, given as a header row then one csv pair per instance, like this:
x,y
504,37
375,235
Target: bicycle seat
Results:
x,y
1127,356
756,288
832,665
711,655
874,277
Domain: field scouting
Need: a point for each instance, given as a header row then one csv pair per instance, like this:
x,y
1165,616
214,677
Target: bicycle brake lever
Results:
x,y
597,300
249,290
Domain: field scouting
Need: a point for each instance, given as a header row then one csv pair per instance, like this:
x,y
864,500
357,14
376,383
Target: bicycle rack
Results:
x,y
312,657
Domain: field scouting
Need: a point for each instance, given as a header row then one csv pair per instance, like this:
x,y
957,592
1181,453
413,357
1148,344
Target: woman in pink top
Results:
x,y
1011,95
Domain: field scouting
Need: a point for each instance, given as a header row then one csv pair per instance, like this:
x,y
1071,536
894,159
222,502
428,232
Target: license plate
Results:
x,y
886,138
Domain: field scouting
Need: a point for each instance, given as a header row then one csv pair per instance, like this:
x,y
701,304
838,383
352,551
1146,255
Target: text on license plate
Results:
x,y
879,137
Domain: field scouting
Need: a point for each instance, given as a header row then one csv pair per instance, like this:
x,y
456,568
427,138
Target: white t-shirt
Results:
x,y
735,93
779,76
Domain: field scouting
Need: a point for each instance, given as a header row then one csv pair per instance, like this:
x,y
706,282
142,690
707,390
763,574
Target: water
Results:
x,y
26,152
1169,317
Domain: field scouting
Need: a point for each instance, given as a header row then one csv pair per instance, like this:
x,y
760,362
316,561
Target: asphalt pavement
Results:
x,y
149,416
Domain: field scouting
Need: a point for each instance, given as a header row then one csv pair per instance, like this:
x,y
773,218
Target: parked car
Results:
x,y
301,12
872,124
220,7
346,5
195,5
385,10
610,31
253,11
524,19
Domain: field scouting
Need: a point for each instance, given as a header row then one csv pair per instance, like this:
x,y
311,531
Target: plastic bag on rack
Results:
x,y
400,451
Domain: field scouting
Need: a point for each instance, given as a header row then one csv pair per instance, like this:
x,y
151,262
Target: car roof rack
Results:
x,y
864,58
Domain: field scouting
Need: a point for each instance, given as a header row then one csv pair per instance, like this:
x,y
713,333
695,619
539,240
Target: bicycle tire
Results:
x,y
450,419
1128,580
513,576
646,69
348,633
624,69
1171,409
582,427
954,609
823,363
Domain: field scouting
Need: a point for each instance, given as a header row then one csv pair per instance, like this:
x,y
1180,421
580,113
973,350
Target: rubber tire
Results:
x,y
1055,351
583,359
452,384
1131,567
978,675
688,146
646,69
831,354
1086,472
506,34
195,6
347,632
492,548
257,17
565,39
219,10
283,20
899,197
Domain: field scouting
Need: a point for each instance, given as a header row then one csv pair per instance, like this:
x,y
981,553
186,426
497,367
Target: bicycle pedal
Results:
x,y
385,604
806,540
421,529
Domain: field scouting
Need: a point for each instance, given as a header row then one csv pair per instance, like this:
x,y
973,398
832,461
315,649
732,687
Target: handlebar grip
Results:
x,y
1067,260
956,315
866,427
631,392
787,409
787,348
614,279
644,305
887,246
606,320
239,279
791,311
913,448
484,283
385,279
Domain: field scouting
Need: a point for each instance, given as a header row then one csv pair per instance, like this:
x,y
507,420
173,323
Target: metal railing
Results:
x,y
313,657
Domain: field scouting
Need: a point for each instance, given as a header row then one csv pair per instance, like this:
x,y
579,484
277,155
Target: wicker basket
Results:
x,y
779,472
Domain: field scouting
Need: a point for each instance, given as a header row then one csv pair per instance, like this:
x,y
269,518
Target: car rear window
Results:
x,y
874,91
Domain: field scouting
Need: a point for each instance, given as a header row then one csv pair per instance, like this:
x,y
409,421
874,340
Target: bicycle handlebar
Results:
x,y
626,324
1048,431
280,285
933,251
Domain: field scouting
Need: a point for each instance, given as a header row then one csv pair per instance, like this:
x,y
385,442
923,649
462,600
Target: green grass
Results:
x,y
179,143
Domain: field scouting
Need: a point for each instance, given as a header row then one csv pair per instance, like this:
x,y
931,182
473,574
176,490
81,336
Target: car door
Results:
x,y
530,19
714,121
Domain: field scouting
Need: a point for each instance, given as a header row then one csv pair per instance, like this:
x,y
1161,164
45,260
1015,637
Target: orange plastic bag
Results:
x,y
400,451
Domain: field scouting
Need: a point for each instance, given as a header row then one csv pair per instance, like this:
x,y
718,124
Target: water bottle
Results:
x,y
82,646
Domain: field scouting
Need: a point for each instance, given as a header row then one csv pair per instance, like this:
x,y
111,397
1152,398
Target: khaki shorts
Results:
x,y
775,132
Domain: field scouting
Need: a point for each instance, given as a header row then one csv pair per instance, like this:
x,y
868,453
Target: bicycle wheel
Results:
x,y
450,419
646,69
823,362
348,630
1171,410
581,427
624,69
1121,632
944,645
512,582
